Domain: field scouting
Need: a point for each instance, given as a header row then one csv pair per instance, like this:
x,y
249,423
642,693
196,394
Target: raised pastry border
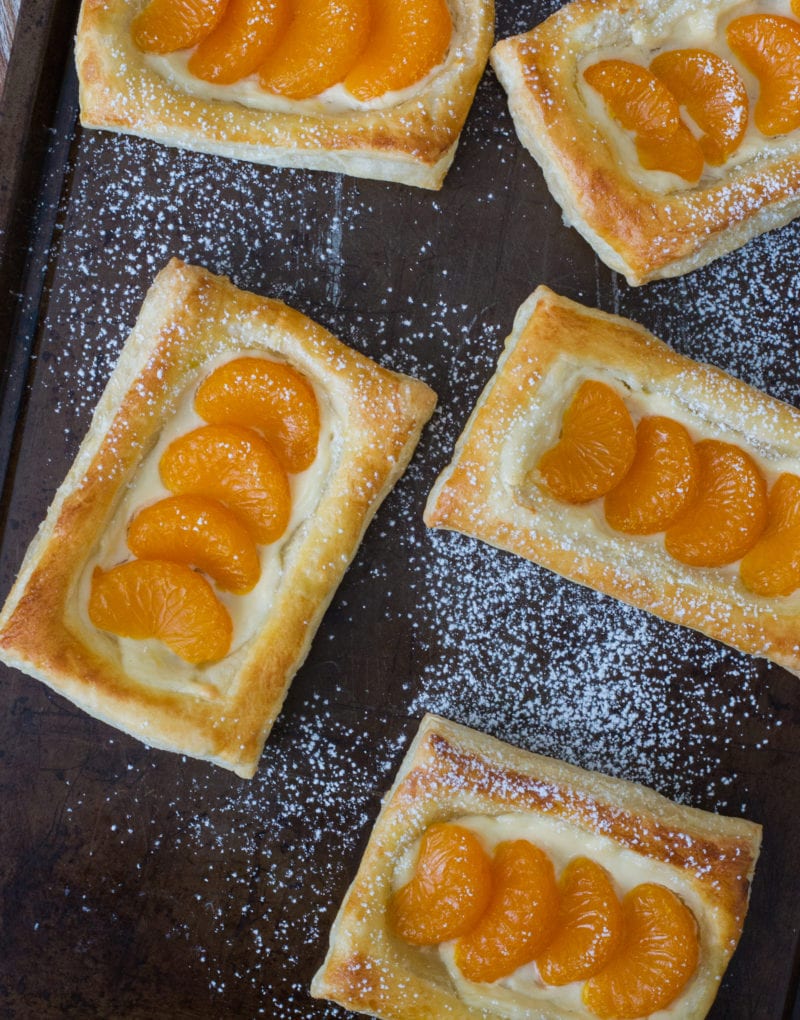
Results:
x,y
638,232
477,493
451,771
188,317
413,142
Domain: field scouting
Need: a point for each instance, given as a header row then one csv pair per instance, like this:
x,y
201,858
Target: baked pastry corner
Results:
x,y
454,774
223,710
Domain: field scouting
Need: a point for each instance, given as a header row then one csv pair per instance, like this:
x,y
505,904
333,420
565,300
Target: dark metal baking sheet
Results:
x,y
136,883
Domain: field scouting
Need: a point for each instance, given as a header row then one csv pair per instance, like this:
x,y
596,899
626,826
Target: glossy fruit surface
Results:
x,y
241,41
662,481
729,513
168,25
596,447
520,919
640,102
269,396
159,599
772,567
658,955
324,40
715,96
589,925
770,47
200,532
407,39
236,467
450,888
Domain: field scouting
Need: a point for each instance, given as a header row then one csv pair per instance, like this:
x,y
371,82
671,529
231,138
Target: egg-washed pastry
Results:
x,y
232,466
498,883
669,134
372,88
597,451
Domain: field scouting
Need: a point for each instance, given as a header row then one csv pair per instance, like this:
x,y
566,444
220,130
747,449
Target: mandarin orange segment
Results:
x,y
770,47
662,481
521,917
241,41
235,466
730,511
159,599
714,94
168,25
589,925
658,954
643,104
323,42
772,567
449,890
269,396
596,447
407,39
200,532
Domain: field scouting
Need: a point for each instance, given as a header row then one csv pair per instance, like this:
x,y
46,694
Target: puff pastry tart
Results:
x,y
498,883
232,465
597,451
373,88
668,134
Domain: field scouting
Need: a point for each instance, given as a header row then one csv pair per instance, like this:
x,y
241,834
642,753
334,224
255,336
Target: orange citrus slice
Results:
x,y
200,532
324,40
596,448
168,25
658,955
715,96
772,566
770,46
520,919
241,41
643,104
449,890
662,480
168,601
269,396
407,39
729,513
236,467
589,925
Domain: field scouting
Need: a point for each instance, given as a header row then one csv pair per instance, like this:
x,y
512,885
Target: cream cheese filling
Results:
x,y
173,67
584,527
523,995
150,661
703,29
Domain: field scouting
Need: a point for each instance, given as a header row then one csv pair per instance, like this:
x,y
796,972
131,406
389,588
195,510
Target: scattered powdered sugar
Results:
x,y
243,879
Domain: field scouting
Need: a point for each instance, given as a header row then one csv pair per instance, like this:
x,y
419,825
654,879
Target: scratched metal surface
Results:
x,y
138,884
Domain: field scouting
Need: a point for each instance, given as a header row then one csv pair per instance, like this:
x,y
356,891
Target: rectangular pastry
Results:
x,y
496,884
235,436
598,452
366,87
667,133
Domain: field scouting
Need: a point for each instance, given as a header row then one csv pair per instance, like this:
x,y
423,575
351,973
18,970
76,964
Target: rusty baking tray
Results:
x,y
139,884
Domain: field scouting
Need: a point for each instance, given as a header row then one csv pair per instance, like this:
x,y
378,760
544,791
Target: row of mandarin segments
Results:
x,y
300,48
647,102
231,491
709,497
507,910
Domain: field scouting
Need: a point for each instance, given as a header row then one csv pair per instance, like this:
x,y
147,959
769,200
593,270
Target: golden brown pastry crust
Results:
x,y
451,772
190,316
636,231
484,492
413,142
